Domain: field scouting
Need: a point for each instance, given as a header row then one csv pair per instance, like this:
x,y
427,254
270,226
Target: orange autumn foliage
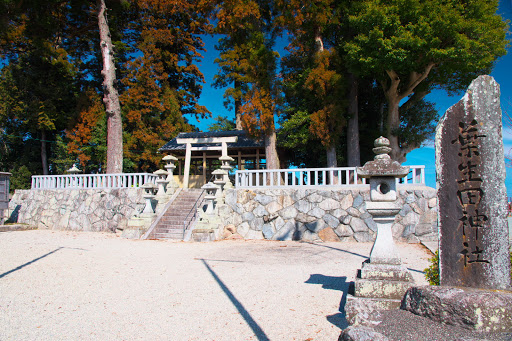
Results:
x,y
90,112
326,84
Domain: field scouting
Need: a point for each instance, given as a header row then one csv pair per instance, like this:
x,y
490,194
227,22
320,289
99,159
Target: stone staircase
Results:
x,y
170,225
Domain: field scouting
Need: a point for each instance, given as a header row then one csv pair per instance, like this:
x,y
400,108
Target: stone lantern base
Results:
x,y
138,226
377,287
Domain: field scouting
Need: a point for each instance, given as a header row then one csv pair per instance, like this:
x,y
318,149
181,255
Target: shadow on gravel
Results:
x,y
418,271
28,263
335,283
39,258
335,248
258,332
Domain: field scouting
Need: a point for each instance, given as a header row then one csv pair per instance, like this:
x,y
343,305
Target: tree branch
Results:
x,y
392,90
416,78
415,98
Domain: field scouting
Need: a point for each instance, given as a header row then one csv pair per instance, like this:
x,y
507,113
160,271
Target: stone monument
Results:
x,y
4,194
473,231
473,228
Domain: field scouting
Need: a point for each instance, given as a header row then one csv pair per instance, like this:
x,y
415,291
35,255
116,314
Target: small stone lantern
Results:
x,y
161,182
220,181
226,160
170,166
210,196
74,171
149,195
383,172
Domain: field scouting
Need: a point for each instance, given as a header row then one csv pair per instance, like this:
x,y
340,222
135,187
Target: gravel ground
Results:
x,y
58,285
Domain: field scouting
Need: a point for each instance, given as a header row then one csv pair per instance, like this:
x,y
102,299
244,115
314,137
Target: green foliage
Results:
x,y
20,179
411,47
222,124
432,272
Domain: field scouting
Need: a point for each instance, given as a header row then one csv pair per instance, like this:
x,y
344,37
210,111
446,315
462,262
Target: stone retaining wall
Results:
x,y
326,214
76,209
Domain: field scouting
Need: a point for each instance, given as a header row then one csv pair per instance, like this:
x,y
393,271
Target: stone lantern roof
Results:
x,y
382,164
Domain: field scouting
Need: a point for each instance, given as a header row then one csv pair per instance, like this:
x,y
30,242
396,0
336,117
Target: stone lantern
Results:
x,y
382,173
170,167
74,171
161,183
383,280
226,160
149,195
220,181
210,196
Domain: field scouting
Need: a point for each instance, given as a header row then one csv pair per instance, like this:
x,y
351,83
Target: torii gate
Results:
x,y
205,140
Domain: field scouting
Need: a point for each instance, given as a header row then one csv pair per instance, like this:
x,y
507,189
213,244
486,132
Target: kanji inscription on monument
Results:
x,y
473,229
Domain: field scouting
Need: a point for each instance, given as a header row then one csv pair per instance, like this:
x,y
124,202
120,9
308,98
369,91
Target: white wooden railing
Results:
x,y
342,176
122,180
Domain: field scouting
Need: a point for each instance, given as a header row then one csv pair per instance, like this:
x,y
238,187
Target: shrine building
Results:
x,y
198,154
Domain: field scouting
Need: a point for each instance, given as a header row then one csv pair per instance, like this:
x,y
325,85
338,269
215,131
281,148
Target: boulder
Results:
x,y
361,334
477,309
328,235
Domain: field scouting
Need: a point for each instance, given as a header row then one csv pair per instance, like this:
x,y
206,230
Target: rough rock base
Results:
x,y
361,334
362,311
203,235
477,309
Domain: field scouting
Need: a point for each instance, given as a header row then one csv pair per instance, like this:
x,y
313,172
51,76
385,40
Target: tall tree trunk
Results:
x,y
393,123
110,96
271,150
238,107
331,156
353,150
44,155
271,153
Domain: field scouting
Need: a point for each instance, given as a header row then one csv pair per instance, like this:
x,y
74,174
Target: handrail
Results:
x,y
194,210
186,224
313,177
161,214
84,181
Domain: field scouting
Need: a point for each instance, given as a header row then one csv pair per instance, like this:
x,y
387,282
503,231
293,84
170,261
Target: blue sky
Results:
x,y
213,100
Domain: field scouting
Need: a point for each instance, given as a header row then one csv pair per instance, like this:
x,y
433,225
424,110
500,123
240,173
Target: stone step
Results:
x,y
374,288
171,224
168,236
171,230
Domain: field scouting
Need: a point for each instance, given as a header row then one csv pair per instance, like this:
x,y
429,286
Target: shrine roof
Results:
x,y
243,142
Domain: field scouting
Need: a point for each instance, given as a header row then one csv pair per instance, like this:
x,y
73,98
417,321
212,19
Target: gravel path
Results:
x,y
92,286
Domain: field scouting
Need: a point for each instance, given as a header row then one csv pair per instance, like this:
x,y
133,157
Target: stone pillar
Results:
x,y
473,231
170,167
224,148
188,157
473,228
